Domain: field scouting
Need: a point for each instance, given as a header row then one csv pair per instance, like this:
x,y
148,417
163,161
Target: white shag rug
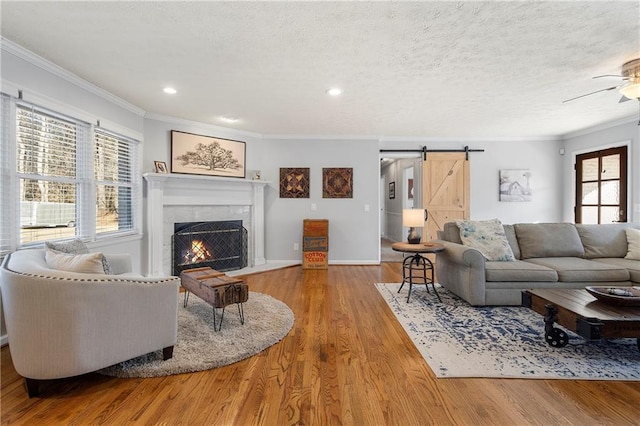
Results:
x,y
199,347
459,340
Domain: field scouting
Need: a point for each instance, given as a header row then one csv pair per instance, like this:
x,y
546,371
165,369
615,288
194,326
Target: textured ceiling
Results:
x,y
408,69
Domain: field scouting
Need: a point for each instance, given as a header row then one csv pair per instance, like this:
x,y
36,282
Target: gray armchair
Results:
x,y
63,324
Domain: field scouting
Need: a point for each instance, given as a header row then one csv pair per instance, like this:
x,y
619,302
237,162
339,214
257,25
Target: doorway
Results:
x,y
601,186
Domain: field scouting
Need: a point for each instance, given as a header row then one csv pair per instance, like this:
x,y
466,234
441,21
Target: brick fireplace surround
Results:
x,y
173,198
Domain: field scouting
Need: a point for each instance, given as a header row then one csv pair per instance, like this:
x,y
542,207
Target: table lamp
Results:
x,y
414,218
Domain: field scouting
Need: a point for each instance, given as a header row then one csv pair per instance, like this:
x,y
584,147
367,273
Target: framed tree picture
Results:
x,y
207,155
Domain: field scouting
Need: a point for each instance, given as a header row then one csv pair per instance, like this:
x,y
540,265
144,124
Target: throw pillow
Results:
x,y
486,236
76,246
90,263
633,241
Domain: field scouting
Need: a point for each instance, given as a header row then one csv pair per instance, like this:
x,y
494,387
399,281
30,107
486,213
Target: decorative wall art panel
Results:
x,y
337,183
515,185
294,182
206,155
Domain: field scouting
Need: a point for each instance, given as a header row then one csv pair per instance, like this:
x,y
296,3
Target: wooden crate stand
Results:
x,y
215,288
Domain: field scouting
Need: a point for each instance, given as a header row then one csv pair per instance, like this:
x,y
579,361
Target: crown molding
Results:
x,y
16,50
207,126
466,140
320,137
598,127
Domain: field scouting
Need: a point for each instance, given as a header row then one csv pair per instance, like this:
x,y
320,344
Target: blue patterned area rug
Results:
x,y
459,340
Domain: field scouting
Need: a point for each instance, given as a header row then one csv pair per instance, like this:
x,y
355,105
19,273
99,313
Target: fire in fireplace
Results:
x,y
219,245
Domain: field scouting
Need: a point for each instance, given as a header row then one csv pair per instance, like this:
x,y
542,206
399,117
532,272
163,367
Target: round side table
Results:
x,y
417,269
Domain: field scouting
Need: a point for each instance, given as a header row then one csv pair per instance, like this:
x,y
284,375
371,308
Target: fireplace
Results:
x,y
177,198
221,245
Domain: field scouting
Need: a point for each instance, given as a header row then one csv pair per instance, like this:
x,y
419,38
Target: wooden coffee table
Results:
x,y
580,312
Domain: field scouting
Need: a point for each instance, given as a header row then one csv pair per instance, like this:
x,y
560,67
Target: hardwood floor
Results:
x,y
346,361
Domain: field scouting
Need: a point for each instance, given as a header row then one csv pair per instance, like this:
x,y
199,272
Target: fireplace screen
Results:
x,y
218,245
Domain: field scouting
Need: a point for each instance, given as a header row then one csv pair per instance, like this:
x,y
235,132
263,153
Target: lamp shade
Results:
x,y
413,218
632,91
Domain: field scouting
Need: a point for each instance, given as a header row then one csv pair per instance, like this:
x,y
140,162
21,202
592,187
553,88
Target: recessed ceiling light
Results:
x,y
334,91
228,119
170,90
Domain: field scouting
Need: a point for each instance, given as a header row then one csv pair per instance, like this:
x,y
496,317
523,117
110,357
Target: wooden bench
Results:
x,y
217,289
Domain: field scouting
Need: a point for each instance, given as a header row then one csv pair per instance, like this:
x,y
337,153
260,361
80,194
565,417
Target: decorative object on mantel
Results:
x,y
294,182
459,340
161,167
206,155
337,182
199,347
257,175
515,185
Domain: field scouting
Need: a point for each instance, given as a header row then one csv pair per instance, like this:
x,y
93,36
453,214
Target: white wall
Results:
x,y
354,234
541,157
626,133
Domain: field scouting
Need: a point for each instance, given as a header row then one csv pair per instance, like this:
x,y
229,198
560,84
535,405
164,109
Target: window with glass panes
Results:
x,y
601,186
113,164
63,178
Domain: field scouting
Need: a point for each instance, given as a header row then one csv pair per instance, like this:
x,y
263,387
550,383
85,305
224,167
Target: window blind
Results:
x,y
114,164
5,178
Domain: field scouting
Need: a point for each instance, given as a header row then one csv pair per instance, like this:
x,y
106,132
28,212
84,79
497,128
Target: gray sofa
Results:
x,y
548,255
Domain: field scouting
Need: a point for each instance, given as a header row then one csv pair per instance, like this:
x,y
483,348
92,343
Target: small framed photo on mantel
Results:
x,y
161,167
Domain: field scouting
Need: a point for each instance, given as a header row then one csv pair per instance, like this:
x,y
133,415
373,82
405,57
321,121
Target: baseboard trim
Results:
x,y
4,340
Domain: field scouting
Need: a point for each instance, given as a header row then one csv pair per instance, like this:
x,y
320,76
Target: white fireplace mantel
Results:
x,y
165,190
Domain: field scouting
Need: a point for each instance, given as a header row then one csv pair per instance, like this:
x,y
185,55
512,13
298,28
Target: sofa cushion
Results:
x,y
90,263
510,232
633,266
548,240
573,269
518,271
633,247
451,233
606,240
486,236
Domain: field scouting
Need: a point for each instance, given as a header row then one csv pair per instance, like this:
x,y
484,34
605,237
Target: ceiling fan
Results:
x,y
629,90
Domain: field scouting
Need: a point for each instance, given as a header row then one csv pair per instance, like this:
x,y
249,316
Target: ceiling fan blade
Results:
x,y
592,93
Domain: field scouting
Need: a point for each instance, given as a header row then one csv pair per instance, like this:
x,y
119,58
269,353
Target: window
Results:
x,y
63,178
114,161
601,186
46,168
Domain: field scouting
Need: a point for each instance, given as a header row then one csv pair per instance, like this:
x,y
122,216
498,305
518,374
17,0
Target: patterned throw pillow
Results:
x,y
76,246
73,247
90,263
633,241
488,237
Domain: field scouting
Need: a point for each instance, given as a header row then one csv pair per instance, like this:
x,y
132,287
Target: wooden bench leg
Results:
x,y
32,387
167,353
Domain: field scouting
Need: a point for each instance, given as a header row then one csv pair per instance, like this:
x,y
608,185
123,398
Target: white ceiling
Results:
x,y
408,69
